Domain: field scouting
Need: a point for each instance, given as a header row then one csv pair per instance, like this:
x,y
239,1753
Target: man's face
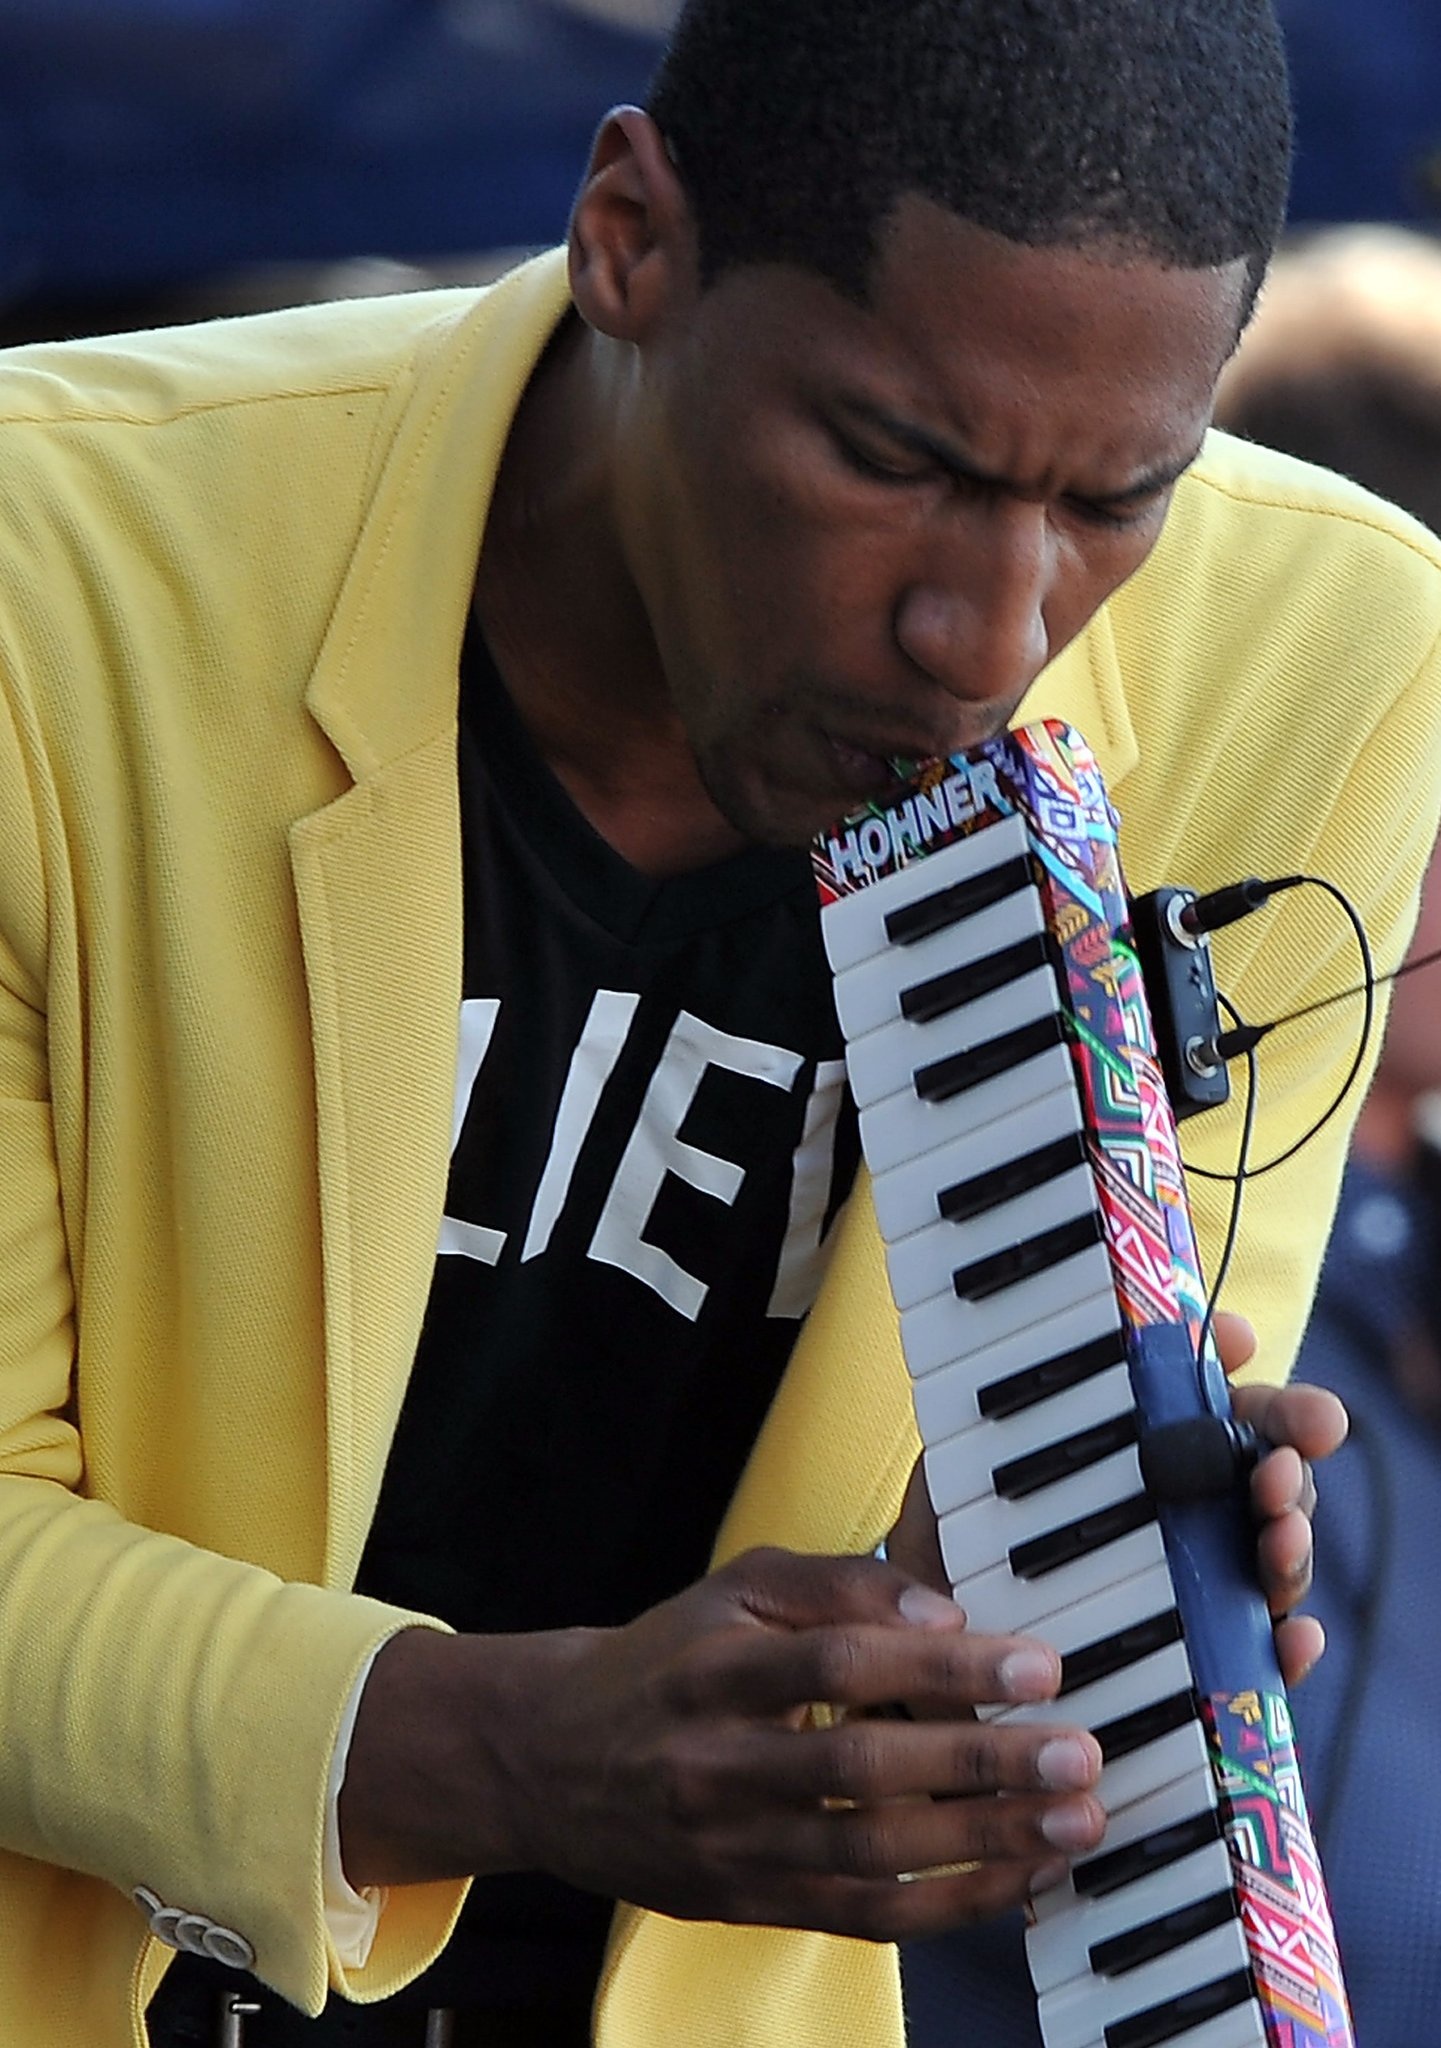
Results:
x,y
861,532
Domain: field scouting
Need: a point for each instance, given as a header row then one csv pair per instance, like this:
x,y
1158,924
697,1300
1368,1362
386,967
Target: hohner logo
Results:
x,y
932,815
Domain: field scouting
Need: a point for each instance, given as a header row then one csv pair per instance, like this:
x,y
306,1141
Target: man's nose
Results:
x,y
973,619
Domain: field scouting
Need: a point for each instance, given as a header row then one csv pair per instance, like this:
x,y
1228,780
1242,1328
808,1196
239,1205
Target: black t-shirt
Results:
x,y
651,1138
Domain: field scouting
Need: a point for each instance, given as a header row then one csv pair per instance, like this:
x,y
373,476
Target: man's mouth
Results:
x,y
860,773
866,773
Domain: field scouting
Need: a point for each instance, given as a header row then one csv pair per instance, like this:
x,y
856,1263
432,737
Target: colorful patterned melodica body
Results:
x,y
1028,1186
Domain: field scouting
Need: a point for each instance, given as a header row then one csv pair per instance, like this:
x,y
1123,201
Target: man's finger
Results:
x,y
1281,1483
1300,1644
1284,1551
867,1762
929,1900
1235,1340
944,1671
921,1834
1311,1419
789,1590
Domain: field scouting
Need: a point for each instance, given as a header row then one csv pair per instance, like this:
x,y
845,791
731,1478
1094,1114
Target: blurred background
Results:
x,y
160,158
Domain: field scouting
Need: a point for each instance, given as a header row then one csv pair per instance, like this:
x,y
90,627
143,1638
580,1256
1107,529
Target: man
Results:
x,y
885,354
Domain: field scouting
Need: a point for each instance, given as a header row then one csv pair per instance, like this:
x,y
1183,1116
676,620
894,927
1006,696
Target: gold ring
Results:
x,y
937,1870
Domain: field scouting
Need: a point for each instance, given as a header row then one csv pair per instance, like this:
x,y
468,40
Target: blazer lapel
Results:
x,y
378,873
381,933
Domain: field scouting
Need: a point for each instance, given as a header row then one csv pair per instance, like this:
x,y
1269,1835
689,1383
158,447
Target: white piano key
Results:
x,y
1129,1604
1058,1949
960,1468
1122,1692
948,1388
903,1125
1173,1759
987,1530
868,995
998,1603
946,1327
1077,2015
1166,1808
1137,1685
1242,2027
924,1263
907,1197
1118,1606
886,1062
854,927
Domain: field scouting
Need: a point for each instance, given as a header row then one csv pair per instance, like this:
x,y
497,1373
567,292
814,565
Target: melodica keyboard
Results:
x,y
1087,1480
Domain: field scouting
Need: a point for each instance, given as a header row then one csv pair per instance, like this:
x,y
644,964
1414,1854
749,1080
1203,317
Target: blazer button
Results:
x,y
224,1945
165,1923
193,1933
190,1932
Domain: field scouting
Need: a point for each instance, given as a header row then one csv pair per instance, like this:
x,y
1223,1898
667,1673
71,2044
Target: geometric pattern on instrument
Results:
x,y
1044,775
1283,1897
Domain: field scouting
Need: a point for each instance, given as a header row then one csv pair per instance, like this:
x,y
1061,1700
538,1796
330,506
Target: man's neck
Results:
x,y
563,615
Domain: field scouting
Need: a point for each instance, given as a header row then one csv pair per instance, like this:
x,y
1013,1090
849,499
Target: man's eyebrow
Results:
x,y
935,448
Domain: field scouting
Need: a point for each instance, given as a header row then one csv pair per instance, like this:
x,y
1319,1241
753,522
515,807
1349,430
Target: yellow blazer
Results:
x,y
235,564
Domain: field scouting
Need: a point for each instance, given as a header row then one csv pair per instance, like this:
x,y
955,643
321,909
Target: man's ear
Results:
x,y
632,238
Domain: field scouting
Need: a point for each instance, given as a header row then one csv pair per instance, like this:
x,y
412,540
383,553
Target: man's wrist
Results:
x,y
436,1784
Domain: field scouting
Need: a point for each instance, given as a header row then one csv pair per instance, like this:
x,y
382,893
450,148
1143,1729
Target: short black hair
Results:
x,y
1152,129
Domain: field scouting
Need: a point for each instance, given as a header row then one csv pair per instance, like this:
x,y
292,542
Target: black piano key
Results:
x,y
1022,1476
1078,1539
1100,1875
1114,1653
963,899
1129,1732
1179,2015
970,1198
1158,1937
943,993
1017,1262
959,1071
1033,1383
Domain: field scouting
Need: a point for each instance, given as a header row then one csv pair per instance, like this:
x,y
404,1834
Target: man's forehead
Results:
x,y
970,340
928,258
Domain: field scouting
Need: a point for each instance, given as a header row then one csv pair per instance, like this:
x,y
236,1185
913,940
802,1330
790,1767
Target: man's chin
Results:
x,y
779,819
763,814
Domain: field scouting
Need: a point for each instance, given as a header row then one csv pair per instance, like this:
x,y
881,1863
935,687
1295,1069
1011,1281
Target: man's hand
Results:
x,y
1305,1424
674,1762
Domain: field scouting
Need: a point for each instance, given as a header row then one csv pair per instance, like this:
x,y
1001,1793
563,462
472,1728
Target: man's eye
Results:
x,y
900,469
1131,512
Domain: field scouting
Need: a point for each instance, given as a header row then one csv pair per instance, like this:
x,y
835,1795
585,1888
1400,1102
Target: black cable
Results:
x,y
1211,913
1341,995
1238,1185
1248,1036
1220,907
